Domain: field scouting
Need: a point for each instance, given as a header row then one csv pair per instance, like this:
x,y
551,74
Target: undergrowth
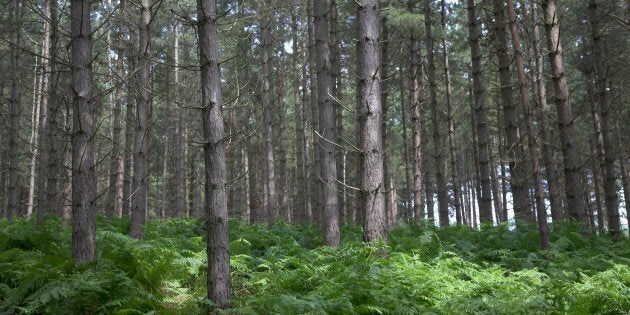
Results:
x,y
287,270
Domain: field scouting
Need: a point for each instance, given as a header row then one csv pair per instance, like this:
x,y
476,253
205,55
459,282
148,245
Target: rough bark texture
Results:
x,y
299,208
438,150
83,175
41,206
141,137
15,105
270,178
570,153
179,154
554,185
516,156
451,123
481,115
214,151
408,191
336,90
539,194
372,179
608,168
53,134
327,163
415,87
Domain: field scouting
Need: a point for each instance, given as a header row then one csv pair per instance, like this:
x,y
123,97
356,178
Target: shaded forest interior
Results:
x,y
325,113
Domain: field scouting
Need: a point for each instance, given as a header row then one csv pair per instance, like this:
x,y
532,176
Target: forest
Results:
x,y
314,156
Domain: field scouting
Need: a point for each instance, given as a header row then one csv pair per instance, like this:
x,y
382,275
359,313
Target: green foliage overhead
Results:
x,y
404,19
286,270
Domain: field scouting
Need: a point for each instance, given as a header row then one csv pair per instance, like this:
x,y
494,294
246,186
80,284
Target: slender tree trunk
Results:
x,y
270,179
372,179
416,127
518,173
531,137
83,175
53,135
336,90
306,132
409,193
218,247
596,170
316,184
299,208
327,132
129,140
438,150
451,123
141,138
481,115
42,143
554,186
608,167
180,129
571,156
359,210
384,70
625,172
283,187
13,184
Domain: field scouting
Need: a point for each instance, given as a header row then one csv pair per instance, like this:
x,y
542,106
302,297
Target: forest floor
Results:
x,y
286,270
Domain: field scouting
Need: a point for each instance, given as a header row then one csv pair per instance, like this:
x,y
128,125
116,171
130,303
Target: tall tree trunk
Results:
x,y
336,90
481,115
554,186
179,156
625,172
571,156
415,87
114,195
409,193
372,179
384,70
539,194
327,166
42,161
438,152
451,123
608,166
518,172
53,134
83,175
596,170
306,132
316,185
359,210
13,184
299,208
141,138
270,179
218,247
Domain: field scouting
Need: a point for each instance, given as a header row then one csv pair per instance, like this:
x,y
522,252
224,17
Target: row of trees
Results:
x,y
375,113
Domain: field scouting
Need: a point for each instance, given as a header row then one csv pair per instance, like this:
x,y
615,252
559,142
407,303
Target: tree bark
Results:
x,y
518,173
336,90
409,193
270,179
299,208
451,123
554,185
571,156
608,167
218,245
481,115
83,175
141,137
327,132
435,117
179,155
372,179
316,185
539,194
415,87
52,132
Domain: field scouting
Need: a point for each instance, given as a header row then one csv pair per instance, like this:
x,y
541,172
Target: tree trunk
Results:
x,y
608,167
179,156
316,184
481,115
141,138
83,175
435,117
327,132
409,193
372,179
218,245
539,194
13,184
518,172
451,124
336,90
416,127
384,70
299,208
625,172
571,155
53,134
554,186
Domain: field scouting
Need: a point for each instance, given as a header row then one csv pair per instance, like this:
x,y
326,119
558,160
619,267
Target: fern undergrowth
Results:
x,y
287,270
